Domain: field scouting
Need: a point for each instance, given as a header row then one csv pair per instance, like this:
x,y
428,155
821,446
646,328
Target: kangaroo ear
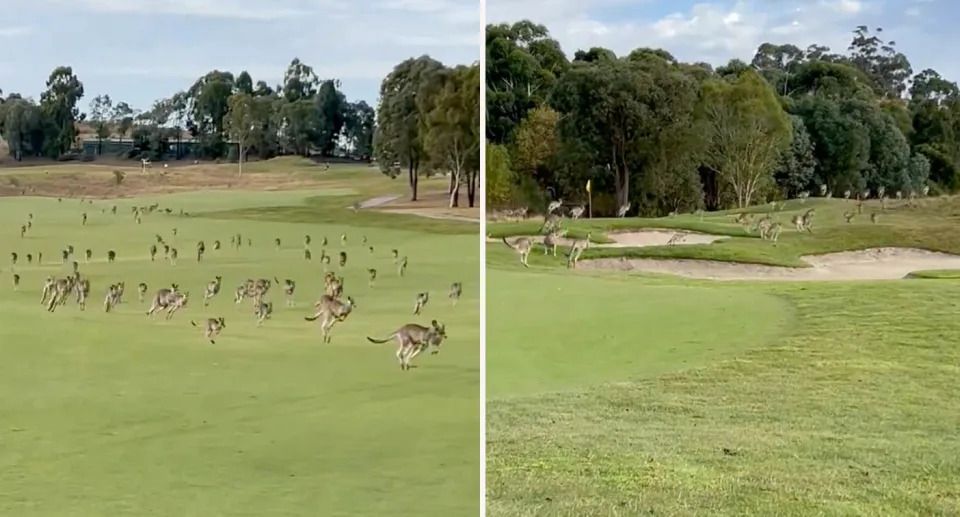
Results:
x,y
435,324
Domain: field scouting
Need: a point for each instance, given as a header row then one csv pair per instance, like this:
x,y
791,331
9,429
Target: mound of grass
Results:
x,y
937,274
845,415
931,226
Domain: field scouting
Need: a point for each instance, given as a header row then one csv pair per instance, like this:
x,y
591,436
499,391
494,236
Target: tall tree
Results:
x,y
299,81
523,63
748,131
244,83
398,138
797,166
359,126
331,107
59,104
452,126
888,69
100,112
209,96
240,123
122,118
536,144
23,127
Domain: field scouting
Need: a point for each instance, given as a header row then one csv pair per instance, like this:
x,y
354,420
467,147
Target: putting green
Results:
x,y
549,331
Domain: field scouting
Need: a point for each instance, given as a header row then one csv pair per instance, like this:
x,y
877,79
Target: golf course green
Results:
x,y
123,414
620,392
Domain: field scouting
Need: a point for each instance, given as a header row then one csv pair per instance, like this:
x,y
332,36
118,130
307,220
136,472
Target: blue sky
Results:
x,y
715,31
141,50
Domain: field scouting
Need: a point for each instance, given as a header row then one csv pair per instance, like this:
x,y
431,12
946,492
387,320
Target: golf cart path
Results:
x,y
868,264
377,201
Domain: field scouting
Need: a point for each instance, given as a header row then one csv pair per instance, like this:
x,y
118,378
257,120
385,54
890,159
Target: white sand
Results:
x,y
870,264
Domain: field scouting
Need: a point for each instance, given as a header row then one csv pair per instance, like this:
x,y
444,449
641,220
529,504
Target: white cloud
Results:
x,y
10,32
236,9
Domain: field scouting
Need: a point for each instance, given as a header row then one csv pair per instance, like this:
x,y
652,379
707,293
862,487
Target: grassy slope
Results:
x,y
114,414
848,410
933,226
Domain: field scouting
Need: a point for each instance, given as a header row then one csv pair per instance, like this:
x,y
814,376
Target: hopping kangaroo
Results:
x,y
263,312
169,299
329,311
576,250
213,288
212,328
422,299
413,339
61,289
522,246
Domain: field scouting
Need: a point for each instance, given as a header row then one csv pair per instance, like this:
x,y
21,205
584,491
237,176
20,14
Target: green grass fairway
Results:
x,y
117,414
558,342
627,394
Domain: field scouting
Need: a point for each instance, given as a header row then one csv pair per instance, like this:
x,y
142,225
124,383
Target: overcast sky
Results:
x,y
715,31
141,50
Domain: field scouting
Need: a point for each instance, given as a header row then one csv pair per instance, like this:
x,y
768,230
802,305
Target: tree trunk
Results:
x,y
412,172
473,178
239,159
454,189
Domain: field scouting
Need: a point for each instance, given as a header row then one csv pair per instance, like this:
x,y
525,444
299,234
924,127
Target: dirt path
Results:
x,y
870,264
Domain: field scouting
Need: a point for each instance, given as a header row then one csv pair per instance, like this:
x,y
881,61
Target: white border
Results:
x,y
483,260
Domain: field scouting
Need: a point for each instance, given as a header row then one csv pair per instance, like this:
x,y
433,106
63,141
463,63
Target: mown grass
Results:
x,y
626,394
117,414
930,225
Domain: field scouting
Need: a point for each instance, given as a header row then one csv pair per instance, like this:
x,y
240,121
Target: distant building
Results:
x,y
116,147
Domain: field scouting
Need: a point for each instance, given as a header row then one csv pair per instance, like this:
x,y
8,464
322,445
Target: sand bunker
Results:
x,y
869,264
640,239
377,201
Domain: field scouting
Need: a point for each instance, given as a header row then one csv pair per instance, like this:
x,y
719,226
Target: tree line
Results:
x,y
427,120
664,136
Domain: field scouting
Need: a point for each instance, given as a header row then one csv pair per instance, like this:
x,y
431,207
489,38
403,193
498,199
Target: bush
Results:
x,y
86,158
68,157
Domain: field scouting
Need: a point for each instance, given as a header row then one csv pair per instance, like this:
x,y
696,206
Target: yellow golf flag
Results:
x,y
588,186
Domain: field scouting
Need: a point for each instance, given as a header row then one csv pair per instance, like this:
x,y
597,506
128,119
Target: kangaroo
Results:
x,y
414,339
773,233
576,251
16,281
552,240
263,312
276,243
396,254
422,299
554,205
333,285
13,258
61,289
169,299
848,216
289,286
808,220
306,240
48,289
111,256
141,291
576,212
173,256
212,289
874,218
84,223
216,245
82,289
201,249
330,311
29,258
343,259
372,273
109,300
307,255
402,267
212,328
622,211
88,254
343,239
456,289
522,246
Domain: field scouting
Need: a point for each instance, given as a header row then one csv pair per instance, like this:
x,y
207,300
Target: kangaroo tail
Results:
x,y
312,318
372,340
505,241
194,323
